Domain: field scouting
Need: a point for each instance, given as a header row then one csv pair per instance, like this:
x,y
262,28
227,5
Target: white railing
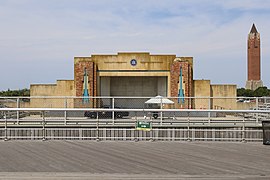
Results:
x,y
170,124
111,114
239,103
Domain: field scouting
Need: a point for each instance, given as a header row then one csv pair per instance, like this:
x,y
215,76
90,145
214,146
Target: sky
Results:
x,y
39,39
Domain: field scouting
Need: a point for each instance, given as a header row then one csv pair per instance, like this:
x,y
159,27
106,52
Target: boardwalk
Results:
x,y
133,160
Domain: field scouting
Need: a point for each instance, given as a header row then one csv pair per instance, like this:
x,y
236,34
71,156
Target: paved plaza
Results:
x,y
133,160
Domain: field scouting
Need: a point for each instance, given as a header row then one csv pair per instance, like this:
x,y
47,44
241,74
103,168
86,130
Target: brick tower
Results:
x,y
254,60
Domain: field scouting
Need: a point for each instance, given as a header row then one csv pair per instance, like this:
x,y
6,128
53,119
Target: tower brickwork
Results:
x,y
254,60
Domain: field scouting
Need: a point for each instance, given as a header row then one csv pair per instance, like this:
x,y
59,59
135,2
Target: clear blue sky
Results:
x,y
39,39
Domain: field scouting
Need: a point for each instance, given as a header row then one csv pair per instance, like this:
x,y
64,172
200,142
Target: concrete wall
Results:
x,y
222,96
162,86
133,86
201,93
227,91
61,88
15,105
246,105
105,86
129,86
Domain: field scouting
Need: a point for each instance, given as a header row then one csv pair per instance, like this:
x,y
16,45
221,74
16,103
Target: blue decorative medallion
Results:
x,y
133,62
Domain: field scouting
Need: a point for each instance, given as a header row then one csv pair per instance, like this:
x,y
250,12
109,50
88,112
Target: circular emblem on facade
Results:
x,y
133,62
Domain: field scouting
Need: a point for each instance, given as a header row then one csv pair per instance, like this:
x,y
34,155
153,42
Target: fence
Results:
x,y
122,134
233,103
170,124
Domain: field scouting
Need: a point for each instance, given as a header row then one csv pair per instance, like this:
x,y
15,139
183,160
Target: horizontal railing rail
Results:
x,y
136,110
230,97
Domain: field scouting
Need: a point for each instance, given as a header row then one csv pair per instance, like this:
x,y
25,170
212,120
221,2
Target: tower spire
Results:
x,y
253,29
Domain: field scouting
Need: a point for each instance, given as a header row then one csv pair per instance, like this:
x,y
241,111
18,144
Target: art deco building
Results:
x,y
135,74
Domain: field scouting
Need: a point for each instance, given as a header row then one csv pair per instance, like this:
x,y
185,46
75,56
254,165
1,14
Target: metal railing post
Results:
x,y
161,114
43,126
136,134
243,130
188,130
5,116
257,108
113,110
18,112
97,129
65,114
209,113
151,129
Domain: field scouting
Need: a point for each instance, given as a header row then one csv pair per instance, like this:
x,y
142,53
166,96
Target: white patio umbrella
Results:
x,y
159,100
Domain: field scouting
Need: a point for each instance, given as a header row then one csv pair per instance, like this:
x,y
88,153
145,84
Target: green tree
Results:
x,y
259,92
249,93
22,92
241,92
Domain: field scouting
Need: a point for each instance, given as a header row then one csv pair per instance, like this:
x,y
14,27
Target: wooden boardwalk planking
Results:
x,y
146,160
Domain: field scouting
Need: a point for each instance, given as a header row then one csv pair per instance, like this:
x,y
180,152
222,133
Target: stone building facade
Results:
x,y
140,74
